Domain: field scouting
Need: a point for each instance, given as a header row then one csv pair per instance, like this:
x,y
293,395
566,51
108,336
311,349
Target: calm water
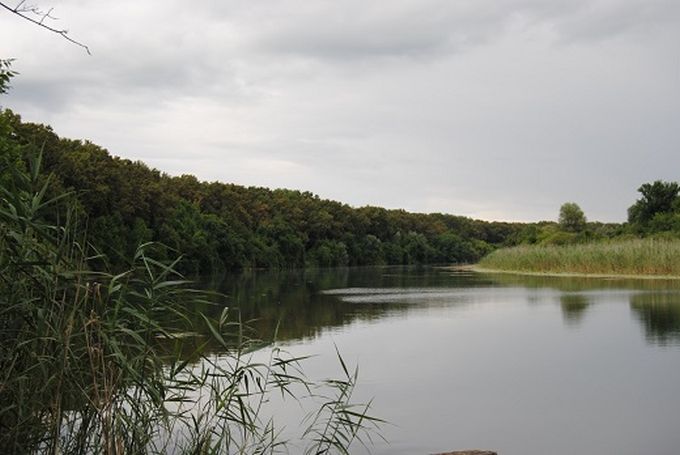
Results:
x,y
524,366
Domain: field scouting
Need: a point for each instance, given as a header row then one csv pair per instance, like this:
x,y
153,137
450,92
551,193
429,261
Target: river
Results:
x,y
454,360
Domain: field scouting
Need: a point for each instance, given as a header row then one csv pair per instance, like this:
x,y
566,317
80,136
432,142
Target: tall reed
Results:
x,y
658,257
96,362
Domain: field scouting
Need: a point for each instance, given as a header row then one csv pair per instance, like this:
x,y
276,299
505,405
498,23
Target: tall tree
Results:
x,y
572,218
657,197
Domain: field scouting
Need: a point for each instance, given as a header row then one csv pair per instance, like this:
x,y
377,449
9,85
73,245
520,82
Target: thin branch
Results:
x,y
25,11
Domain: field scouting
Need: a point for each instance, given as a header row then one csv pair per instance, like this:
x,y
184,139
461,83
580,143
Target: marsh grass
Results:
x,y
96,362
631,257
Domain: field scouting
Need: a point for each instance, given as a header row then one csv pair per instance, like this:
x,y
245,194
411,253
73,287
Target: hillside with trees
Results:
x,y
121,204
220,226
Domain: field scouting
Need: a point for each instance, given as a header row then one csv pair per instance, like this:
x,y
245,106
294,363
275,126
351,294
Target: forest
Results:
x,y
220,226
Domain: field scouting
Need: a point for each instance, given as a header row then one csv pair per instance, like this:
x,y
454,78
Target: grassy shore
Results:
x,y
636,257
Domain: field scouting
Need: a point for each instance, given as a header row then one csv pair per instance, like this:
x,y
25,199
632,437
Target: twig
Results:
x,y
25,11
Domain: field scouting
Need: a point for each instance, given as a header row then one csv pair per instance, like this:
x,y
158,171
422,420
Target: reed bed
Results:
x,y
633,257
93,362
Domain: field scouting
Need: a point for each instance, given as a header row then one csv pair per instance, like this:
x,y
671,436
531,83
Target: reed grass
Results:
x,y
95,362
631,257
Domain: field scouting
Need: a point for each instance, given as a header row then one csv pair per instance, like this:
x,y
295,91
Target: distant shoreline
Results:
x,y
475,268
627,258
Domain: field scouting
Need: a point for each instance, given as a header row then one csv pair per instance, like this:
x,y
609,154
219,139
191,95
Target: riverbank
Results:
x,y
475,268
633,258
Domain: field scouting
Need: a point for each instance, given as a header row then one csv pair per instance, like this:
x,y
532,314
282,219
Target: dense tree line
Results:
x,y
656,213
219,226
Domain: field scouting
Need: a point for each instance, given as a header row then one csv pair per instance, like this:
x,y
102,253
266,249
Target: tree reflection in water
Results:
x,y
573,308
659,313
292,304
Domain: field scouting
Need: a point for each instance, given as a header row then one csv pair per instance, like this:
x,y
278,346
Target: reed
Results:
x,y
634,257
95,362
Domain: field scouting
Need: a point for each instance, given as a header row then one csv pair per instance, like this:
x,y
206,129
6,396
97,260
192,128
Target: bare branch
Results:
x,y
38,17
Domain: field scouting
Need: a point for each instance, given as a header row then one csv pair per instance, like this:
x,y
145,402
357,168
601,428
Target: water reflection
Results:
x,y
582,283
654,303
492,357
659,313
573,308
303,304
293,303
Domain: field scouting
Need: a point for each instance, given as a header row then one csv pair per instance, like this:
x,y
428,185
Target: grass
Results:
x,y
93,362
631,257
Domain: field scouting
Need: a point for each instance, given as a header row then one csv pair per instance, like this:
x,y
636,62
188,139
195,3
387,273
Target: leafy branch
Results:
x,y
6,74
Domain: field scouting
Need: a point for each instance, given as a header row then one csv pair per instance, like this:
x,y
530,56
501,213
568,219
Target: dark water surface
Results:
x,y
453,360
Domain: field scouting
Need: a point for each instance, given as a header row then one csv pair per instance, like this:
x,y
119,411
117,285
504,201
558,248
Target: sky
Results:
x,y
492,109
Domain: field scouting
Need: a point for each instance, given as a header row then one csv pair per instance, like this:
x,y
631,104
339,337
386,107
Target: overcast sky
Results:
x,y
494,109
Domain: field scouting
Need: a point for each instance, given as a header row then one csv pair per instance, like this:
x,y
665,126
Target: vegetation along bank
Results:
x,y
633,257
647,245
96,362
220,226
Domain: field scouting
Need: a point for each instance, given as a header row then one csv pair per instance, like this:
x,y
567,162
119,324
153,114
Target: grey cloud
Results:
x,y
148,77
353,30
604,20
499,109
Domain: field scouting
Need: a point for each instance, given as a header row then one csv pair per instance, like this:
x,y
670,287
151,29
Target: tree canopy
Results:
x,y
572,218
657,198
221,226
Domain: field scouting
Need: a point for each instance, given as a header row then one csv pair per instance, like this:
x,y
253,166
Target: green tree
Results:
x,y
416,248
371,251
10,151
452,248
329,253
572,218
220,226
657,197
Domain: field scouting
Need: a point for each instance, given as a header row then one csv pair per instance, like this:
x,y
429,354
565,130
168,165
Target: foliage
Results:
x,y
223,226
572,218
658,199
337,424
574,246
95,362
559,237
5,74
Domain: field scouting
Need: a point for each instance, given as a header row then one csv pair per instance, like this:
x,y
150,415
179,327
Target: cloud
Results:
x,y
477,107
357,30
